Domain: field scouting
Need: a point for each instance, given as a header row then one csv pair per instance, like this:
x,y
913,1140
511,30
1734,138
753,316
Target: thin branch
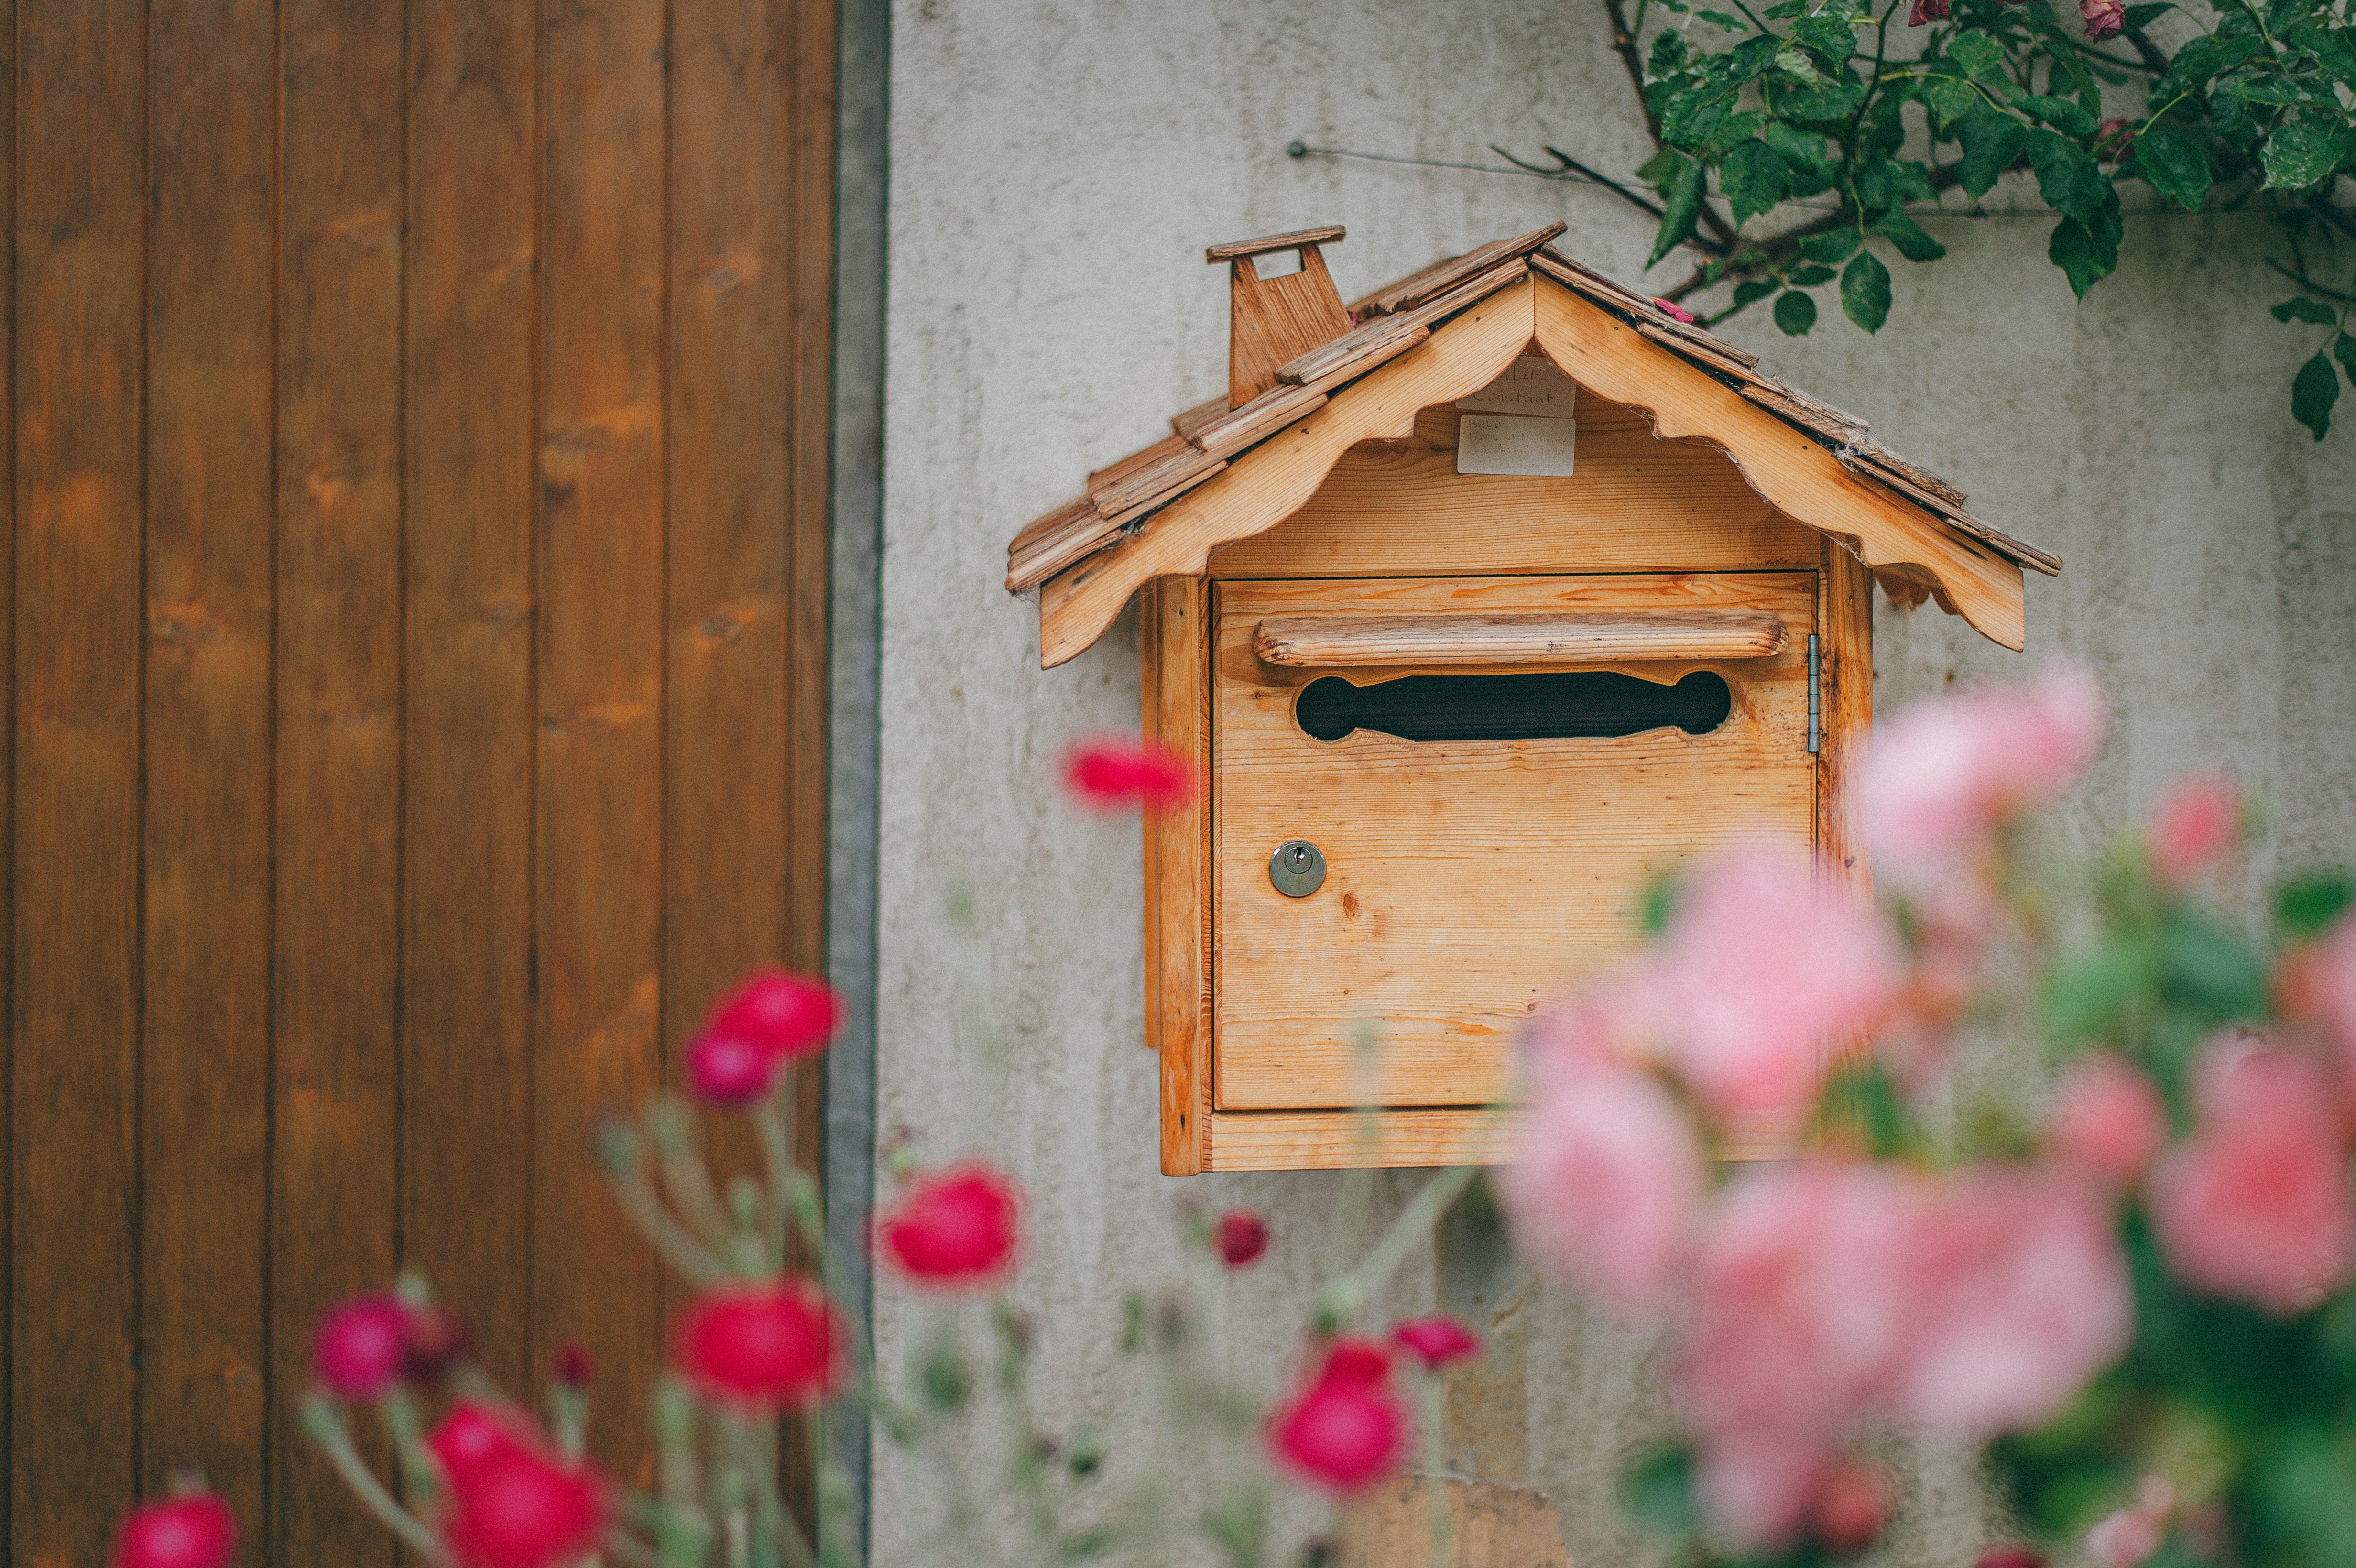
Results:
x,y
2147,51
1567,164
2303,281
1623,43
2115,62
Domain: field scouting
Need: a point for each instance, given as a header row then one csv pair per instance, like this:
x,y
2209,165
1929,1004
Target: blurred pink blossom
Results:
x,y
2132,1535
2195,824
2330,983
1945,775
1607,1179
2021,1298
1766,965
2256,1205
2108,1120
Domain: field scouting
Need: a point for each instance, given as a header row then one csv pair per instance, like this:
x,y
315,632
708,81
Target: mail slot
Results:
x,y
1477,606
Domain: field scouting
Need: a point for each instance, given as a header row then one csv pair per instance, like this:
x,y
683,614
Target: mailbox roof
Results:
x,y
1125,500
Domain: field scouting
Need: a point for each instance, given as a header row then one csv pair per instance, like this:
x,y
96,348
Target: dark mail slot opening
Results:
x,y
1537,707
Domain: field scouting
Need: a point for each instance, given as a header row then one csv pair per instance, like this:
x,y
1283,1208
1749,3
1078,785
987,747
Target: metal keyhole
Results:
x,y
1297,869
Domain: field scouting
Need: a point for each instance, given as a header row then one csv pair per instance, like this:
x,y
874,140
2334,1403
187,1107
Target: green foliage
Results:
x,y
1839,105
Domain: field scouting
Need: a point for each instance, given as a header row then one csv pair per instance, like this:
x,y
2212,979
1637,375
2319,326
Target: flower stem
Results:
x,y
1346,1296
325,1425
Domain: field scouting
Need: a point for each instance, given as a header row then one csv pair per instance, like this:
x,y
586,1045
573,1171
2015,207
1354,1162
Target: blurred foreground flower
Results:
x,y
1240,1238
1348,1428
1113,773
1437,1341
763,1347
512,1504
193,1532
955,1228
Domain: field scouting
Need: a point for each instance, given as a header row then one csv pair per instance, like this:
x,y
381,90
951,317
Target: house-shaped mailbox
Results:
x,y
1476,604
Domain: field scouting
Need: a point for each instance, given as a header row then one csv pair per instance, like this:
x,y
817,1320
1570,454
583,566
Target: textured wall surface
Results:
x,y
1056,169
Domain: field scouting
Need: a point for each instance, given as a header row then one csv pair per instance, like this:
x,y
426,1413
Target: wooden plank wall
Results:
x,y
416,601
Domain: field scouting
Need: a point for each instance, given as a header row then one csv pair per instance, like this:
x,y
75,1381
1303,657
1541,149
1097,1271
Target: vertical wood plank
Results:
x,y
1845,613
80,258
339,385
8,749
205,1061
809,185
601,641
467,765
1178,894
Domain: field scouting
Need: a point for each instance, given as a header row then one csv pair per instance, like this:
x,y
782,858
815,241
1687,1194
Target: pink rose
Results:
x,y
2328,984
2256,1206
2132,1535
1803,1306
2108,1120
1606,1179
2022,1297
1767,966
1924,11
1946,775
2104,17
2194,826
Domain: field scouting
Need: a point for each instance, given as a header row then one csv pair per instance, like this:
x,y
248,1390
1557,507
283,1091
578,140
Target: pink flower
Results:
x,y
953,1229
1804,1303
2021,1295
1240,1238
2256,1206
2326,987
1851,1507
1110,773
1926,11
2194,826
787,1016
2104,17
361,1350
2107,1121
1946,775
512,1505
728,1070
1676,312
2010,1557
1437,1341
1347,1429
1766,966
763,1347
1606,1178
2132,1535
193,1532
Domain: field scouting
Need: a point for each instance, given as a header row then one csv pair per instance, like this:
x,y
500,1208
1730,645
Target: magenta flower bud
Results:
x,y
194,1531
361,1349
729,1070
571,1367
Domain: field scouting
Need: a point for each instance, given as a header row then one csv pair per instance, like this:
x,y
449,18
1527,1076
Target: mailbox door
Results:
x,y
1468,879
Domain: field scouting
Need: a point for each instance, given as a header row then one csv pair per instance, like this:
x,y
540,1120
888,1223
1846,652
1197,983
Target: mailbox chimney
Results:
x,y
1271,321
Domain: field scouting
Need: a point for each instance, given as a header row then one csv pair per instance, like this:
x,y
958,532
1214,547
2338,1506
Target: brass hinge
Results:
x,y
1816,697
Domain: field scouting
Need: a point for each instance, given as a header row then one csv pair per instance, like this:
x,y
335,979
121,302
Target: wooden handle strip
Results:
x,y
1365,639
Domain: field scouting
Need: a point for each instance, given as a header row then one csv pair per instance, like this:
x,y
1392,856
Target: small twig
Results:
x,y
1623,42
2303,281
330,1437
1569,165
2115,62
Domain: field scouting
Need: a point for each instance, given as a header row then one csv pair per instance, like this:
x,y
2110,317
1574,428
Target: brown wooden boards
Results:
x,y
1273,320
1467,880
1175,632
1530,640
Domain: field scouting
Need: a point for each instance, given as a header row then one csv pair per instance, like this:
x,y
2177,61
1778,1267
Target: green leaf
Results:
x,y
1829,37
1752,176
1668,56
2300,152
2141,17
1908,236
2343,348
1659,1492
2283,90
1865,291
1723,22
1948,101
1832,249
2177,169
1992,143
1808,277
1796,313
2304,309
1750,289
1784,10
2059,113
1691,117
2312,393
2088,252
2202,58
2211,967
2090,994
1680,208
1978,54
2306,906
2068,177
1661,167
1797,64
1829,105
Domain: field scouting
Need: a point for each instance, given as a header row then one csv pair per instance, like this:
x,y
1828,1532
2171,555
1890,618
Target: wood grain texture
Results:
x,y
1845,678
1273,320
1435,280
1175,629
1533,640
1636,504
336,1129
1467,880
466,829
1292,239
1340,1140
1271,481
206,930
74,1278
1800,477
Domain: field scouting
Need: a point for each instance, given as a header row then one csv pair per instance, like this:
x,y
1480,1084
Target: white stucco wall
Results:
x,y
1056,168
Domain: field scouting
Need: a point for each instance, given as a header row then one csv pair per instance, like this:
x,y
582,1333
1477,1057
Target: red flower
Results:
x,y
2104,17
729,1070
471,1436
361,1349
2193,828
1240,1238
1347,1429
1437,1341
512,1505
1852,1508
195,1532
1676,312
571,1367
787,1016
954,1228
1926,11
1110,773
763,1347
434,1340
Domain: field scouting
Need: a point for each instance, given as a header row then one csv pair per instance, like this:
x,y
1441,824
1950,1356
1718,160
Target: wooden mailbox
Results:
x,y
1475,604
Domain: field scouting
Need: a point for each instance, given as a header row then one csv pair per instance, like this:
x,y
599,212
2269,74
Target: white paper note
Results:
x,y
1516,443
